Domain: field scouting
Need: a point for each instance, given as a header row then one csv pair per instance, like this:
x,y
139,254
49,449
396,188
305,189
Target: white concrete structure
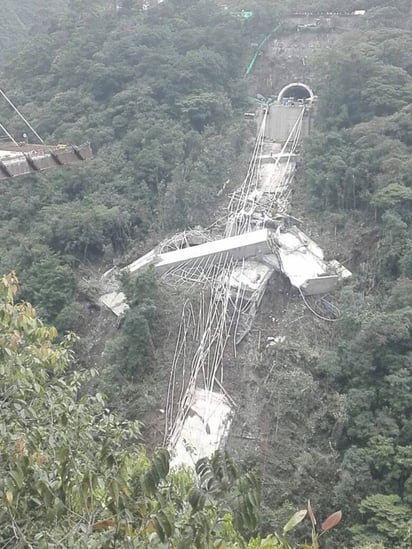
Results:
x,y
302,261
116,302
289,251
236,247
297,90
204,430
250,279
253,244
141,263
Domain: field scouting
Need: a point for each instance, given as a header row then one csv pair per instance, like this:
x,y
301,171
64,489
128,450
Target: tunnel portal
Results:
x,y
296,91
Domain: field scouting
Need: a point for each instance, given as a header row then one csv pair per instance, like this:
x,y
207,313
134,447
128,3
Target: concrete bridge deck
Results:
x,y
17,160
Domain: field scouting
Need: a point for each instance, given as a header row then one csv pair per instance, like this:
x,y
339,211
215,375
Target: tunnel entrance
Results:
x,y
296,91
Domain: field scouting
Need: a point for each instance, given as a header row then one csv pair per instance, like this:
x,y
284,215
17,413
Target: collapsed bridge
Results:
x,y
232,267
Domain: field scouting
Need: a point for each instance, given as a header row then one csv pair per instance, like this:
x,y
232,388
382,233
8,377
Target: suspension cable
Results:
x,y
13,106
312,310
9,136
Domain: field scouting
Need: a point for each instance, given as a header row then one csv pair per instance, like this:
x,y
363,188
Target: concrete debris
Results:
x,y
248,279
237,247
302,261
269,193
113,298
116,302
248,282
273,341
289,251
296,256
204,430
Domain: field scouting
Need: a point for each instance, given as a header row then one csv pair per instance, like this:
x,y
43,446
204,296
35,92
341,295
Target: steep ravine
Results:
x,y
287,423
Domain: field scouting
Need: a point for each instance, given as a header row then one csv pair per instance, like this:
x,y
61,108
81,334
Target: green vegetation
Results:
x,y
159,96
358,168
73,475
18,19
131,351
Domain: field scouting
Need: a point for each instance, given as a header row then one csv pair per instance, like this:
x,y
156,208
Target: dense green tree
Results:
x,y
387,521
363,78
358,165
132,350
74,475
158,94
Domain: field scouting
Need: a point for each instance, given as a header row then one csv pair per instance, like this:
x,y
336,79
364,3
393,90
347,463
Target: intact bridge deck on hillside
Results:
x,y
25,159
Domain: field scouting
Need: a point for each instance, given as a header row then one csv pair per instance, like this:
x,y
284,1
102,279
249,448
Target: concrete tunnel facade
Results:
x,y
296,90
286,111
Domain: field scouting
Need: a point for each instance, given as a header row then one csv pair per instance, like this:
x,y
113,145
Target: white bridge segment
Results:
x,y
236,247
297,256
254,244
205,428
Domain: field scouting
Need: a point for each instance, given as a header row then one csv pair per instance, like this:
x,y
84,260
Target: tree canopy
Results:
x,y
73,475
357,167
158,94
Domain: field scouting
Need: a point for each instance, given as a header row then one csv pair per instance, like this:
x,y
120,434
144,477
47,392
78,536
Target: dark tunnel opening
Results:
x,y
296,92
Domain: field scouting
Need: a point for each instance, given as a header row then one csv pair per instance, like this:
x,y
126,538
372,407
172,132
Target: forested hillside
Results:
x,y
160,95
17,20
358,174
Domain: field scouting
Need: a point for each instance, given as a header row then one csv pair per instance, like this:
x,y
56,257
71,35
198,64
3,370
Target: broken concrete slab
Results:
x,y
289,251
236,247
116,302
302,261
253,244
249,279
204,430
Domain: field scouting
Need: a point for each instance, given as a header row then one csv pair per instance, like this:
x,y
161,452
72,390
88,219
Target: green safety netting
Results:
x,y
260,46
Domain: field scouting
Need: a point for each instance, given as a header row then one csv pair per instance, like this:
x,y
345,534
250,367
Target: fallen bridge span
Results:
x,y
232,270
